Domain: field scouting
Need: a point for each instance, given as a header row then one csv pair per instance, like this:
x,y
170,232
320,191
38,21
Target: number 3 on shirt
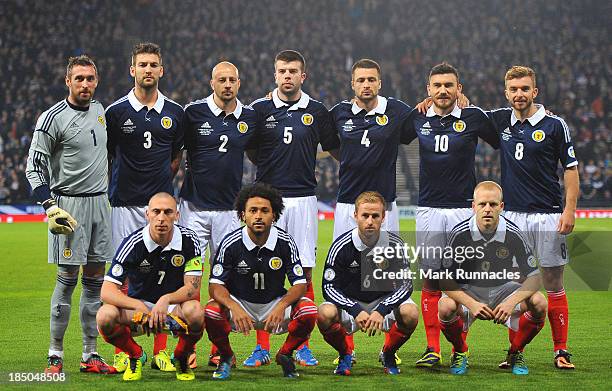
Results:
x,y
147,144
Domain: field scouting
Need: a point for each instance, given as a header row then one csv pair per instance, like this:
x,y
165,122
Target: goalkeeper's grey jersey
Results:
x,y
68,150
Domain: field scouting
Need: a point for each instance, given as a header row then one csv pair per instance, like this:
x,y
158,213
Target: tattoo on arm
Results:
x,y
195,286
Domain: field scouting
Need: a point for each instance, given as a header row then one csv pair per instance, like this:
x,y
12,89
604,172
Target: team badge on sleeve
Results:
x,y
67,253
217,270
307,119
242,127
101,120
329,274
166,122
571,153
382,120
532,261
275,263
459,126
298,271
177,260
117,270
538,136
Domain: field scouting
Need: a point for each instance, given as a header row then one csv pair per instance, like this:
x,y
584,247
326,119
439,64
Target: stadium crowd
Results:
x,y
565,42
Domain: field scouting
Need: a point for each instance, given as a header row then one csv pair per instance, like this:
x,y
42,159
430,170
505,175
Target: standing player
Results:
x,y
448,137
532,144
348,305
370,131
67,168
163,262
286,154
217,132
485,248
145,138
247,282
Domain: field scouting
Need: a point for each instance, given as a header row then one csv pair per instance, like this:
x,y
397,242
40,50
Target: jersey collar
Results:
x,y
383,240
270,243
300,104
500,233
534,119
455,113
381,107
159,104
210,101
175,244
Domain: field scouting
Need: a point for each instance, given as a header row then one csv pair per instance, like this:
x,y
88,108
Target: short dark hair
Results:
x,y
443,69
365,63
262,190
146,47
291,55
82,60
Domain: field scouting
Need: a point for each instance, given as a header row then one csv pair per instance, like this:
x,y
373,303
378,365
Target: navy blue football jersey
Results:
x,y
141,143
287,143
503,254
257,274
342,277
530,154
154,271
447,148
369,144
215,142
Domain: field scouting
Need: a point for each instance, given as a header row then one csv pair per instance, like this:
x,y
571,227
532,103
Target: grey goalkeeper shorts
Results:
x,y
91,241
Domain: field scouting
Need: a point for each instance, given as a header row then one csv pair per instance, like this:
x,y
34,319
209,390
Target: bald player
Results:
x,y
218,130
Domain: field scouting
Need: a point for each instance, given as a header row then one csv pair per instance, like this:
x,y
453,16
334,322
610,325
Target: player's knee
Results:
x,y
552,278
446,308
106,317
193,313
409,315
68,271
539,305
93,270
327,313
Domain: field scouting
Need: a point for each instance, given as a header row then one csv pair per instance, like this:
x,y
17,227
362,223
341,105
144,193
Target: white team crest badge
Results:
x,y
307,119
538,136
166,122
217,270
459,126
242,127
329,274
571,153
117,270
298,271
177,260
275,263
382,120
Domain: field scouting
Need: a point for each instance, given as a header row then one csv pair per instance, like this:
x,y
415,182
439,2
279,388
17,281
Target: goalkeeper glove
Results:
x,y
60,221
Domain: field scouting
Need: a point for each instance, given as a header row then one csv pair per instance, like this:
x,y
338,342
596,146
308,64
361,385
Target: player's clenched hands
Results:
x,y
481,311
361,320
275,318
242,320
158,314
374,324
503,311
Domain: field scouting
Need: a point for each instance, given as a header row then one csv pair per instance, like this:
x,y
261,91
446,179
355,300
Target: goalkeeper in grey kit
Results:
x,y
67,169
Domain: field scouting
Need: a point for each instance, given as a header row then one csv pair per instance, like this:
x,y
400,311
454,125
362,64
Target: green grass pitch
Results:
x,y
27,283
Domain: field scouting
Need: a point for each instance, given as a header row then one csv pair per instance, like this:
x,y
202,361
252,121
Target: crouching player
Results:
x,y
349,307
164,267
247,282
481,280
